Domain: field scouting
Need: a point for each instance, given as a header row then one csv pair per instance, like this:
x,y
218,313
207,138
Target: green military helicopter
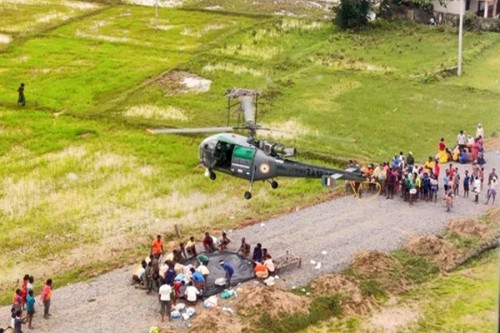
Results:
x,y
251,159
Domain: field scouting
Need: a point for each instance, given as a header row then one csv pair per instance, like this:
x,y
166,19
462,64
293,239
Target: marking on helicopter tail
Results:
x,y
264,168
241,166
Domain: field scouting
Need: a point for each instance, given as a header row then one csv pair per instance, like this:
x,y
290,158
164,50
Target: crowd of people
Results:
x,y
23,304
168,274
423,181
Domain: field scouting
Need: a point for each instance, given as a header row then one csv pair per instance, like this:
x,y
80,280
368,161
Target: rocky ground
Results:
x,y
330,233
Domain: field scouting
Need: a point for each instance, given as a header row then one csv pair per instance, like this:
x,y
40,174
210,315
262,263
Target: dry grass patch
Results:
x,y
236,69
149,111
383,269
392,319
258,299
216,320
353,301
436,250
468,227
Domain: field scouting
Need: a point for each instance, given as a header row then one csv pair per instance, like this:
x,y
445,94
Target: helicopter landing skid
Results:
x,y
248,194
371,188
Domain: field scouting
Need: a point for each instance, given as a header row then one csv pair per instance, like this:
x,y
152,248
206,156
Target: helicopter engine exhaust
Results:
x,y
284,151
276,149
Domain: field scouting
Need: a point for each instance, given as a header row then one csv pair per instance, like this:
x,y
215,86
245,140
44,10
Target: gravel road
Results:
x,y
342,227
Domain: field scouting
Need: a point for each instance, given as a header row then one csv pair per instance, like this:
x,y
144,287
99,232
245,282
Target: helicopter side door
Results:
x,y
242,161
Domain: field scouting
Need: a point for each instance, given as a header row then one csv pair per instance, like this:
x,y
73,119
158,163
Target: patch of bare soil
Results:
x,y
435,249
217,320
382,268
468,227
492,143
353,301
392,320
179,82
272,300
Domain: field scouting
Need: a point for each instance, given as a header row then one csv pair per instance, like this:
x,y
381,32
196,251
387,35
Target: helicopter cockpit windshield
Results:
x,y
216,154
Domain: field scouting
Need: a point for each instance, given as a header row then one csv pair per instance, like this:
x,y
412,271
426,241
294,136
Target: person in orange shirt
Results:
x,y
157,247
260,270
45,297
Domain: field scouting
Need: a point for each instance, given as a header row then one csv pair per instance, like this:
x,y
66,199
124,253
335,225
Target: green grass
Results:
x,y
23,17
92,179
465,301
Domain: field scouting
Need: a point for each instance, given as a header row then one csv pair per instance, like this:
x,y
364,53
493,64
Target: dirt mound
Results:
x,y
435,249
353,300
216,320
270,300
383,269
468,227
182,82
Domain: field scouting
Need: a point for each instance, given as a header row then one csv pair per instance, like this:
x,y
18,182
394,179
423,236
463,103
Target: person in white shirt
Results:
x,y
476,188
191,293
271,268
461,140
165,301
480,131
203,270
138,275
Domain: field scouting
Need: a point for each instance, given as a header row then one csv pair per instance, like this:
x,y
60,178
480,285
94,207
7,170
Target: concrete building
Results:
x,y
476,7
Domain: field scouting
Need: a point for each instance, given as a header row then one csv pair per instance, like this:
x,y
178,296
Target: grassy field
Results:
x,y
90,181
464,301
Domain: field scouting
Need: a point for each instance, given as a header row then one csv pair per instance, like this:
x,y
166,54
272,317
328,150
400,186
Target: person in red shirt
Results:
x,y
157,247
437,170
17,300
441,145
45,297
208,243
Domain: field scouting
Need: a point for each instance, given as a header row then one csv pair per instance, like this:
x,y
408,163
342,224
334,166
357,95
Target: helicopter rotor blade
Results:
x,y
189,130
312,135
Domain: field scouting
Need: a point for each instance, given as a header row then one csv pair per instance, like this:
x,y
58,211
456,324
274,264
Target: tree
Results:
x,y
352,14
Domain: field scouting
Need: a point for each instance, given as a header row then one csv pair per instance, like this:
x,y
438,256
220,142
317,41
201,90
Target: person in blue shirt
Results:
x,y
466,184
463,157
229,272
30,307
198,279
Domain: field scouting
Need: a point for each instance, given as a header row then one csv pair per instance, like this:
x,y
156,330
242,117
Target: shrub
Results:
x,y
352,14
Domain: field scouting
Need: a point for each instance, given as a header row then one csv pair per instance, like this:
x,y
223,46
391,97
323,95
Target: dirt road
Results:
x,y
340,227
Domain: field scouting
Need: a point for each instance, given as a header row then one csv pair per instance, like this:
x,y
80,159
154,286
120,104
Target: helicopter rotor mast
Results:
x,y
248,100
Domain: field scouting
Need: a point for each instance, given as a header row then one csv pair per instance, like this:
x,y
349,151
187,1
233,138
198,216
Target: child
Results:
x,y
30,307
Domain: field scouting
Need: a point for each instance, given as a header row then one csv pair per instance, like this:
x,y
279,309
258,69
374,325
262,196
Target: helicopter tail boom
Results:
x,y
290,168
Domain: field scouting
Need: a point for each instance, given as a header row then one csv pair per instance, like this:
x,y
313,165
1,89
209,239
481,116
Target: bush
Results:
x,y
352,14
